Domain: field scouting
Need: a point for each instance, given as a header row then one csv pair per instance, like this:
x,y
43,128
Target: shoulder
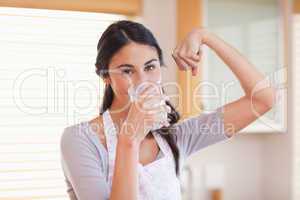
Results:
x,y
73,136
83,131
78,146
197,132
83,136
74,131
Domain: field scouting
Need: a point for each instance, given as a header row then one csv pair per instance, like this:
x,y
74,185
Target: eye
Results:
x,y
127,71
150,67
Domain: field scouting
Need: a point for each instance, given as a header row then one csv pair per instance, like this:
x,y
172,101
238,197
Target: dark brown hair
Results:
x,y
113,39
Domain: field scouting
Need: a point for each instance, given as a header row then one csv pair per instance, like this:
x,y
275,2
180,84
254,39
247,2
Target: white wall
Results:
x,y
277,161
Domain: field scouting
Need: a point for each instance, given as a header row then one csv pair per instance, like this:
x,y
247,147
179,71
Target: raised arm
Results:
x,y
259,95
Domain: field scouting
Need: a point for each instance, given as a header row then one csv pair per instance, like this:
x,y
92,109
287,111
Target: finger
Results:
x,y
133,94
199,53
200,50
157,110
145,98
194,56
146,88
153,103
192,64
154,91
161,106
149,98
161,117
176,49
166,124
136,90
138,98
156,101
195,71
175,55
182,63
166,97
166,109
180,66
169,109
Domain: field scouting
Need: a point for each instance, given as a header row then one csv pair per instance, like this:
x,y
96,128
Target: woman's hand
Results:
x,y
187,54
147,110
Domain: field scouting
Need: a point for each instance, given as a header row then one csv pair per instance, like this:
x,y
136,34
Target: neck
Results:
x,y
119,110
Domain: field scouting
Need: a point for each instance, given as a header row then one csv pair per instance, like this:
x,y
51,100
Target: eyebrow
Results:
x,y
129,65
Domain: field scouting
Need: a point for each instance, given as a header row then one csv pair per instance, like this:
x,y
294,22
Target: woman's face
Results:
x,y
133,64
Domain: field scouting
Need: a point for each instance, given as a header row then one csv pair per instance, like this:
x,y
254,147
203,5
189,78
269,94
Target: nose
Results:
x,y
142,78
145,79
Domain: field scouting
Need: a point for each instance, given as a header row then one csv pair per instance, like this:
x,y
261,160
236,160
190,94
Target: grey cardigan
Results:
x,y
84,158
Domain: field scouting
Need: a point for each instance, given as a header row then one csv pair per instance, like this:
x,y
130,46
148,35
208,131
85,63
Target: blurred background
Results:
x,y
48,82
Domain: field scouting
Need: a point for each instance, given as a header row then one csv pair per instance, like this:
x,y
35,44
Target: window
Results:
x,y
47,82
255,29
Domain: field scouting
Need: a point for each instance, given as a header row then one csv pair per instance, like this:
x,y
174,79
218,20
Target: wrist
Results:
x,y
128,142
127,136
204,35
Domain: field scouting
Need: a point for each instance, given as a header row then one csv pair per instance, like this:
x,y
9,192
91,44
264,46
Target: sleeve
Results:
x,y
82,166
198,132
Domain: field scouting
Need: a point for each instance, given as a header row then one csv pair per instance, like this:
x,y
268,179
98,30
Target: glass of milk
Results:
x,y
133,93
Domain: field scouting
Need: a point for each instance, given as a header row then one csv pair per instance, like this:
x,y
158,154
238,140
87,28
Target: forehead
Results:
x,y
135,54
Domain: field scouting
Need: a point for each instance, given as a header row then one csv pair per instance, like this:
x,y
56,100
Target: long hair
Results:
x,y
113,39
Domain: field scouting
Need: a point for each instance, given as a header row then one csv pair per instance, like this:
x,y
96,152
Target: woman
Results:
x,y
118,155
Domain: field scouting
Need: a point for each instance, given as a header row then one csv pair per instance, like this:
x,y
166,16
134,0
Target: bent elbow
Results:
x,y
270,102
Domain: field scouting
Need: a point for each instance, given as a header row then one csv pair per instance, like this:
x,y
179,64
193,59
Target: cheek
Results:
x,y
120,85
